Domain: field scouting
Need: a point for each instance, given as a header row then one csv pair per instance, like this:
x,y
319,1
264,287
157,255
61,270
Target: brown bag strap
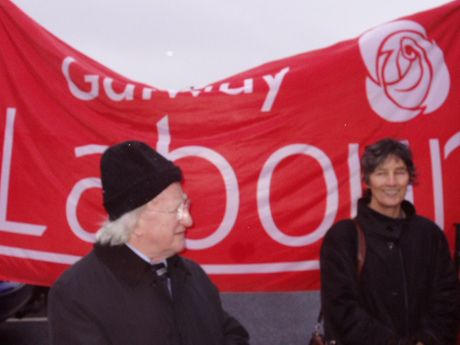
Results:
x,y
361,246
361,257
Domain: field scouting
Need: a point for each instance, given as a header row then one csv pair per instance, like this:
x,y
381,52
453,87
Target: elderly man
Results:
x,y
133,288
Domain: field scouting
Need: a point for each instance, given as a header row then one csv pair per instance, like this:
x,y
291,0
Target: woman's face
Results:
x,y
388,184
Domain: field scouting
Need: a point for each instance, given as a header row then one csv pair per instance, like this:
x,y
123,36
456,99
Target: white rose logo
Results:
x,y
407,72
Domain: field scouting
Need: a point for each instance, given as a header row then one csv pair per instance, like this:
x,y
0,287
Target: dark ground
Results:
x,y
29,325
31,329
28,331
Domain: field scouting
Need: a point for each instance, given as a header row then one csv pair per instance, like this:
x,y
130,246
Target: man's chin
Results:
x,y
179,247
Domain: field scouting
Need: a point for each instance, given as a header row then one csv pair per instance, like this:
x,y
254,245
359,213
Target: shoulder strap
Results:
x,y
361,246
361,256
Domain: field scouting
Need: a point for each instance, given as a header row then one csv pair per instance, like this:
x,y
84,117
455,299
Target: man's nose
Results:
x,y
187,219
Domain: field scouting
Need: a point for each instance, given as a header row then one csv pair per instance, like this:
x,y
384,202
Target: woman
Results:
x,y
407,290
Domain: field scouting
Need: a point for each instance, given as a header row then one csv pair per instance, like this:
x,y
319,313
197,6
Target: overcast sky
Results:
x,y
179,43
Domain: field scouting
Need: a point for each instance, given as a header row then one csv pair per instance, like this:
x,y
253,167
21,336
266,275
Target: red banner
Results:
x,y
270,156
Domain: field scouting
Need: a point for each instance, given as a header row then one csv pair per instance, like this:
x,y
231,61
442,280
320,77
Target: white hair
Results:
x,y
118,231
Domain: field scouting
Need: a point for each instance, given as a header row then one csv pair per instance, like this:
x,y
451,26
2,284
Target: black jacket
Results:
x,y
112,297
407,290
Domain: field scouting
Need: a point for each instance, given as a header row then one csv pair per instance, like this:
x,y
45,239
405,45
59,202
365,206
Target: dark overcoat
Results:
x,y
112,297
407,290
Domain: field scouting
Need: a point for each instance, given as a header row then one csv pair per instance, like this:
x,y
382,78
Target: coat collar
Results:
x,y
128,266
383,225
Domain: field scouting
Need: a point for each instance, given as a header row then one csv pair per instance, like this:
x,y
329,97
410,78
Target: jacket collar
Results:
x,y
379,223
128,266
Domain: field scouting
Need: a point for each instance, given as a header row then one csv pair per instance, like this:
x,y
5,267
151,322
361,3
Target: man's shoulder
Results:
x,y
78,272
192,268
189,264
198,278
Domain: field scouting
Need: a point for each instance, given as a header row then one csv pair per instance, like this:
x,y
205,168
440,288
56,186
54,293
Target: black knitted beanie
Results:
x,y
132,174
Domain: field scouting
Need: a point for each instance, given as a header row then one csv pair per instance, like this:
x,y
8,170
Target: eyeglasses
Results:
x,y
181,210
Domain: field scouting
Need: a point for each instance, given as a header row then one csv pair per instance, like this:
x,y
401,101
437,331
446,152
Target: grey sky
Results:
x,y
179,43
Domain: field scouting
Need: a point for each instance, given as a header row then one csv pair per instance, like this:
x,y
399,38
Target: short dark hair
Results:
x,y
377,153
